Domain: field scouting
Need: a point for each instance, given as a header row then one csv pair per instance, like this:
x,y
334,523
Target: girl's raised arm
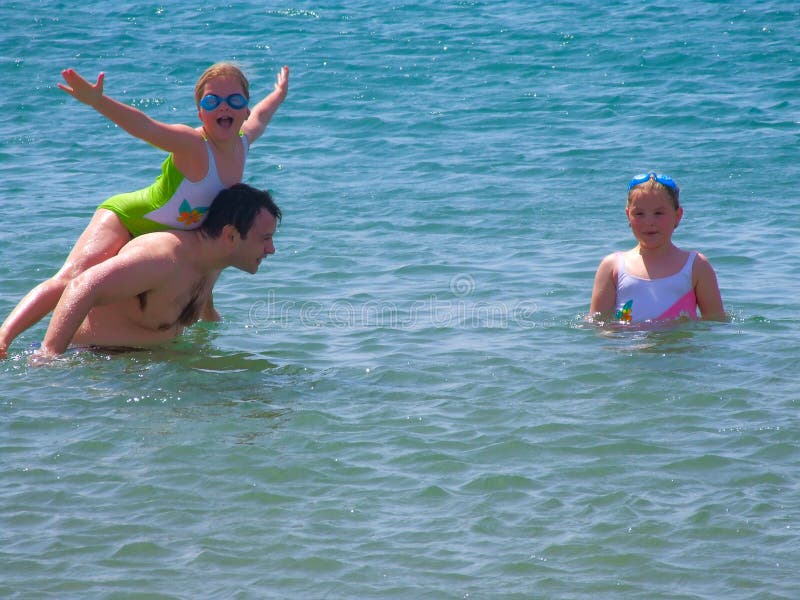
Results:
x,y
262,112
170,138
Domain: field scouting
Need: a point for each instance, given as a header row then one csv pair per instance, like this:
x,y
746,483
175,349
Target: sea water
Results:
x,y
406,401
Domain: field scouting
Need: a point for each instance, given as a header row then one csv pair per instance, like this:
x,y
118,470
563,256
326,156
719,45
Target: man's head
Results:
x,y
248,217
238,205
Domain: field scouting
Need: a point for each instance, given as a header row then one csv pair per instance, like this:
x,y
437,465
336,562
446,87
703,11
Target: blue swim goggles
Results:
x,y
212,101
659,177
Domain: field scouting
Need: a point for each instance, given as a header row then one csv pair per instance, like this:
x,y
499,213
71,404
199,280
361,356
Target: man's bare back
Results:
x,y
160,313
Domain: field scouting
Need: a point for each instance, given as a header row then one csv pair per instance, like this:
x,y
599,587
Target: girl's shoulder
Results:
x,y
609,265
701,263
702,271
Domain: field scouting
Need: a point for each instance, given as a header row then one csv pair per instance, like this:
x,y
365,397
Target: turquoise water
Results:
x,y
405,402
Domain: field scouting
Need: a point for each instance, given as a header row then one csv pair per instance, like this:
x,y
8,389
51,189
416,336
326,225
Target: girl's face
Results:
x,y
652,217
224,118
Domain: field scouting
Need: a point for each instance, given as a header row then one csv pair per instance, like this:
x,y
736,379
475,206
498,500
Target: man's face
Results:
x,y
257,245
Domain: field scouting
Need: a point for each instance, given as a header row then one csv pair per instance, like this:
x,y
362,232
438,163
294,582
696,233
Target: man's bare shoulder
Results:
x,y
160,256
159,242
162,246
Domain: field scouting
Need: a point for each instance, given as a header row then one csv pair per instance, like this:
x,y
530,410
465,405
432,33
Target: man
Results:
x,y
160,283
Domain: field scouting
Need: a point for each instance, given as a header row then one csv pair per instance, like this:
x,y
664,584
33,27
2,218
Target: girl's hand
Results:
x,y
262,112
282,83
79,88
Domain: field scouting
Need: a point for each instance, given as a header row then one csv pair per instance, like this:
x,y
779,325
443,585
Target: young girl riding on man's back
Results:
x,y
202,161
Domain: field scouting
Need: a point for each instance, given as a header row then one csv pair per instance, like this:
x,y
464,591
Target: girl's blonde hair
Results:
x,y
652,184
221,69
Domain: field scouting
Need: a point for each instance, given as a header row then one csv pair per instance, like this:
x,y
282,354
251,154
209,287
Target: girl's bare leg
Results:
x,y
102,239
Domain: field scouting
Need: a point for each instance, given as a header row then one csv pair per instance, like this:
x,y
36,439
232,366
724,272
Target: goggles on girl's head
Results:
x,y
659,177
212,101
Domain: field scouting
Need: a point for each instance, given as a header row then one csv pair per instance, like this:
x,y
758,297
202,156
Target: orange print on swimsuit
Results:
x,y
625,314
189,218
189,215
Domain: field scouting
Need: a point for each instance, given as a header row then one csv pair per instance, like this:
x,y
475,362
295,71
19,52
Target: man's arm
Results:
x,y
209,312
116,279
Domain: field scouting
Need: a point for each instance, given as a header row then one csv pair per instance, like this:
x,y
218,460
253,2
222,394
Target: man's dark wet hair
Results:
x,y
238,205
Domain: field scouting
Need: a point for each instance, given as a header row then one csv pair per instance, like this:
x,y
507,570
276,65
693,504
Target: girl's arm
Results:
x,y
262,112
604,293
706,289
170,138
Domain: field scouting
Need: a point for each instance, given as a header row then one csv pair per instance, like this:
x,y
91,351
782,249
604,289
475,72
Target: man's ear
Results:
x,y
230,234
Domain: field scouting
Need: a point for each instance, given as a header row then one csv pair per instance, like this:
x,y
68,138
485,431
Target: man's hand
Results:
x,y
42,357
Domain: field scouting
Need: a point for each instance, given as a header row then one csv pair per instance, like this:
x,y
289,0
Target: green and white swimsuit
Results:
x,y
172,201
